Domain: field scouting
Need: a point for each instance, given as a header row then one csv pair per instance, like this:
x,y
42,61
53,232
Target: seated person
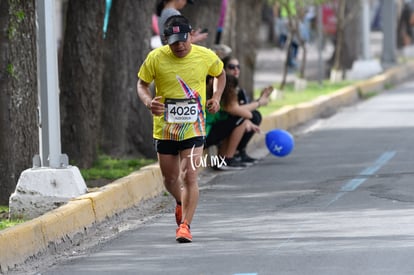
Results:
x,y
232,67
227,127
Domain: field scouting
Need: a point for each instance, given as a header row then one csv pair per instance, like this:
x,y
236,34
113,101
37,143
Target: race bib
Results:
x,y
181,110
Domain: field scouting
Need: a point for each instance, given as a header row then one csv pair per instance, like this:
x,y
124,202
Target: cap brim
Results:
x,y
190,1
177,37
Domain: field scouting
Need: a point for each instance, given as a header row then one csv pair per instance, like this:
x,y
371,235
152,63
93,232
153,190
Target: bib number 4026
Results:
x,y
181,110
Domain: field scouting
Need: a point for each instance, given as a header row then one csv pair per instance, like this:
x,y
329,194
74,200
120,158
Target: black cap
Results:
x,y
177,29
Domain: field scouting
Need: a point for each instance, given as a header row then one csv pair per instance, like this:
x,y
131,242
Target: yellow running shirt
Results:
x,y
179,79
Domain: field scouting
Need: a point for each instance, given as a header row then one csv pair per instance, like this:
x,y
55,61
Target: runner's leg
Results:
x,y
170,169
190,191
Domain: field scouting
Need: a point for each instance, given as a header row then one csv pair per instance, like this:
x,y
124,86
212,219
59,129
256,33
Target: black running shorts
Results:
x,y
172,147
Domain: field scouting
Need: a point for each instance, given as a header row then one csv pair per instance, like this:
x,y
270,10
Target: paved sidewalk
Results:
x,y
270,61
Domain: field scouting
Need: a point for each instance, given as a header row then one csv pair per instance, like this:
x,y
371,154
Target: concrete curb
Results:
x,y
35,237
324,106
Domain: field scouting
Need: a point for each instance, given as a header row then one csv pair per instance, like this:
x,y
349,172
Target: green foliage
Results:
x,y
20,16
388,86
9,223
368,95
10,70
4,220
110,168
292,97
11,32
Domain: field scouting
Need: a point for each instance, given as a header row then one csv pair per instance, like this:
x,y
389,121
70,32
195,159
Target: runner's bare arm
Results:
x,y
219,83
153,104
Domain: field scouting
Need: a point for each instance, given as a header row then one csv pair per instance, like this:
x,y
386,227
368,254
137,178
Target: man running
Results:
x,y
179,70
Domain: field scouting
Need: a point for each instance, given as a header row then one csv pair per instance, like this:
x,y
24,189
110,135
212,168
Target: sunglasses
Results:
x,y
233,67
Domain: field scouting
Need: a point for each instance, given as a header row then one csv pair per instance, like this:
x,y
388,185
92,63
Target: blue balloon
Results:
x,y
279,142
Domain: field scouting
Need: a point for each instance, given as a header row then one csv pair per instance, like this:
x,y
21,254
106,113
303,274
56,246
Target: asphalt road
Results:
x,y
340,203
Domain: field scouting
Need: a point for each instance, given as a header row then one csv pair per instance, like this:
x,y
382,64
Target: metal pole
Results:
x,y
40,190
50,147
320,46
365,30
389,29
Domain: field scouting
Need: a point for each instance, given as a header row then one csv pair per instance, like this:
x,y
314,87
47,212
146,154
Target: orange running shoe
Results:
x,y
178,214
183,234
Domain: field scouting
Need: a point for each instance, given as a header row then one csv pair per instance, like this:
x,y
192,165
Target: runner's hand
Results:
x,y
213,106
156,106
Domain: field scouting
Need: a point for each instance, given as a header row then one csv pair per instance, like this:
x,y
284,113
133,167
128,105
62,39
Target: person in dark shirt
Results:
x,y
232,67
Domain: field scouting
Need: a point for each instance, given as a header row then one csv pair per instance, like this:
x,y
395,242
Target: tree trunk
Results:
x,y
243,20
19,134
348,37
352,34
81,81
126,123
269,19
